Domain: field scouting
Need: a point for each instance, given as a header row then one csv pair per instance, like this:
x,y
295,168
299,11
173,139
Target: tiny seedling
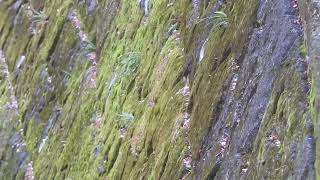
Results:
x,y
65,72
88,48
172,28
38,16
125,119
38,19
129,62
303,50
218,19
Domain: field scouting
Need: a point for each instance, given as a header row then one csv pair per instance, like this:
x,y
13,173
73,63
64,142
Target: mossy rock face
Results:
x,y
163,92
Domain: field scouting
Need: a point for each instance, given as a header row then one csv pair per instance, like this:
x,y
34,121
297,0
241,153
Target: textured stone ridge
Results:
x,y
155,89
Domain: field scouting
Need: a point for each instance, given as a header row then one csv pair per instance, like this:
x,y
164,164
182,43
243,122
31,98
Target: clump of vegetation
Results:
x,y
125,119
173,28
88,47
38,16
303,50
218,19
95,117
38,20
129,63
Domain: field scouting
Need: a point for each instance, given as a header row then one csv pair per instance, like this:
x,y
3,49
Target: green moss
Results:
x,y
313,95
55,29
303,50
146,86
33,136
315,119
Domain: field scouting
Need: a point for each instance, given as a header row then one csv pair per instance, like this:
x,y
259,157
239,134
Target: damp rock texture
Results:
x,y
159,89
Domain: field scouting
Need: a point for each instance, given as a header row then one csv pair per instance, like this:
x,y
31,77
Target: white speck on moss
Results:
x,y
202,50
42,144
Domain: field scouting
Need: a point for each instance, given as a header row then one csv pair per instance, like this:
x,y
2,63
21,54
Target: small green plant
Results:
x,y
38,16
129,62
218,19
38,20
303,50
87,48
65,72
125,119
172,28
90,46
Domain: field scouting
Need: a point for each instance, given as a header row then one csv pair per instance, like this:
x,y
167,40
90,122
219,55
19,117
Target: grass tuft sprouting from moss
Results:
x,y
218,19
303,50
125,119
